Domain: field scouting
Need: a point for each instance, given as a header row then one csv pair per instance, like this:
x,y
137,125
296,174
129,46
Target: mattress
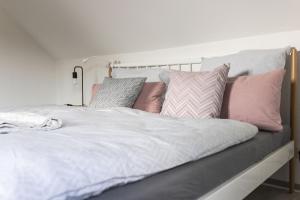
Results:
x,y
194,179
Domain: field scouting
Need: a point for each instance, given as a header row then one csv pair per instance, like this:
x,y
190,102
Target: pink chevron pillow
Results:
x,y
255,99
150,98
196,94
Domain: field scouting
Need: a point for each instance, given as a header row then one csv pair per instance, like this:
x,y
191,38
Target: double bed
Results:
x,y
235,162
233,173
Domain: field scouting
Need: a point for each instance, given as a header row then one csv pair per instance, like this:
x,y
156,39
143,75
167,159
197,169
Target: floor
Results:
x,y
267,192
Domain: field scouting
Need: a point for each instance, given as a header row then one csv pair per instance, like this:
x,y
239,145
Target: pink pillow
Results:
x,y
150,98
95,89
195,94
255,99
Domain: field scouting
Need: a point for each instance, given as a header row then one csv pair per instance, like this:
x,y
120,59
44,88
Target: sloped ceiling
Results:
x,y
79,28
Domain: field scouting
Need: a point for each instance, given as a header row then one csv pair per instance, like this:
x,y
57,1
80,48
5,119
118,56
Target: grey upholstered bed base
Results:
x,y
194,179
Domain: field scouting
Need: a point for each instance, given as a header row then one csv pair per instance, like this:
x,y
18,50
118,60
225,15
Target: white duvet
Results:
x,y
95,150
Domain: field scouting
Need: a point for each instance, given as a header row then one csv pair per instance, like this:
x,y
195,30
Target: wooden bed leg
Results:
x,y
294,80
292,174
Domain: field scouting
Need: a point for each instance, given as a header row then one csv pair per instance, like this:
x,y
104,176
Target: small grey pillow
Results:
x,y
120,92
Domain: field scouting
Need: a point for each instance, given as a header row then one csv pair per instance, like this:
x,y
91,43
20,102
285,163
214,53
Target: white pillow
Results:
x,y
249,61
152,75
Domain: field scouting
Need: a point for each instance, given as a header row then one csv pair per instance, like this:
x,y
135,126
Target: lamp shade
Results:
x,y
74,74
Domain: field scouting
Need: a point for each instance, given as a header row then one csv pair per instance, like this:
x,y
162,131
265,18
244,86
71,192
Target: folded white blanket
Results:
x,y
20,120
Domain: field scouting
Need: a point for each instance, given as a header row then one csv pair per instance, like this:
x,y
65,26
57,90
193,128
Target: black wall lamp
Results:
x,y
75,77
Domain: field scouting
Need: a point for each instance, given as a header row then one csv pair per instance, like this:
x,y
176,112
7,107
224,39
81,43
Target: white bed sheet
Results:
x,y
98,149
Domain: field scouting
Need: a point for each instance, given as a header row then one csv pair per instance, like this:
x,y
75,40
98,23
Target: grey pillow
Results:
x,y
248,62
118,92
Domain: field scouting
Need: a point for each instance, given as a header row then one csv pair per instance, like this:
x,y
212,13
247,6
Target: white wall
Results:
x,y
27,73
95,70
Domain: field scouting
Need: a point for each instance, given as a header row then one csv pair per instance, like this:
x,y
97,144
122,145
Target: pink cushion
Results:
x,y
255,99
95,89
195,95
150,98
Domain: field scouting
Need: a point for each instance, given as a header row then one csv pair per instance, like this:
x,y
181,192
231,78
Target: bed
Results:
x,y
229,167
254,163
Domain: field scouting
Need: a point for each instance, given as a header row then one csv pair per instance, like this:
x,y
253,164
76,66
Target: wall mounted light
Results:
x,y
75,77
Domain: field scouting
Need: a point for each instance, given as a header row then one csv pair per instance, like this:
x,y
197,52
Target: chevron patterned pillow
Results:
x,y
121,92
196,94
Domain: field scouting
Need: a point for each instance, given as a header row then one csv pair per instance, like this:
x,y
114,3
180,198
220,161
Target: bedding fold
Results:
x,y
25,120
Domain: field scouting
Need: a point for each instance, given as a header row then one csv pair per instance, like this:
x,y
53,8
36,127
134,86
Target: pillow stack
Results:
x,y
118,92
150,98
252,94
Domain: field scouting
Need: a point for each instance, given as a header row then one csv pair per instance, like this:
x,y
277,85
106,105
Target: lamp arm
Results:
x,y
82,97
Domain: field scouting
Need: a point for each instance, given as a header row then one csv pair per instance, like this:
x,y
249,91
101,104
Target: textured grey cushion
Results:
x,y
249,61
118,92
